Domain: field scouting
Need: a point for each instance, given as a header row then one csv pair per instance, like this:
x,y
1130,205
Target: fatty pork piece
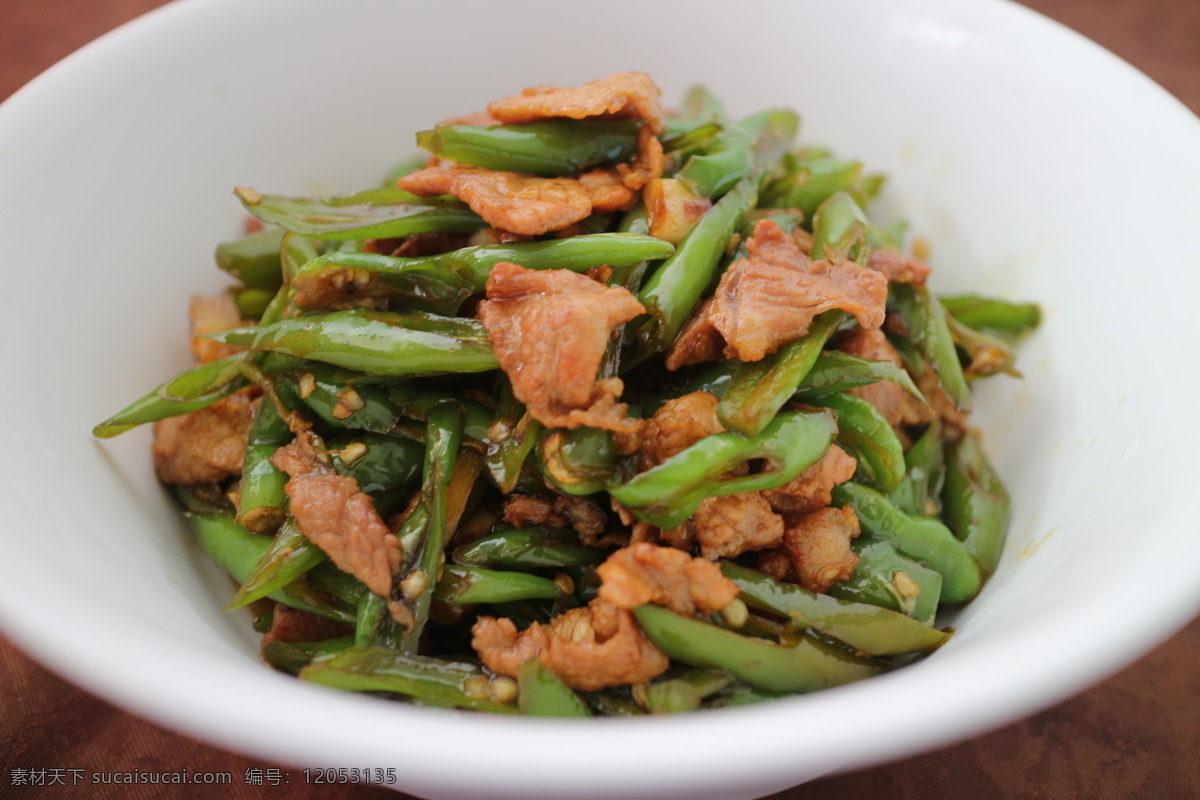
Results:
x,y
771,297
646,573
812,489
561,512
819,546
624,95
549,330
677,425
589,648
335,514
206,445
522,204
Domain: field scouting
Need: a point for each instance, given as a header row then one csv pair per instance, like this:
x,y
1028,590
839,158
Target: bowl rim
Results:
x,y
121,676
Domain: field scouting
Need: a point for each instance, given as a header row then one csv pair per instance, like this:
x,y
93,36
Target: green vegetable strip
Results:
x,y
290,556
977,506
919,494
835,371
424,547
1001,316
866,627
840,229
386,462
547,148
669,493
671,291
759,389
921,538
813,182
464,585
433,681
925,319
340,405
699,103
530,547
865,434
886,578
251,303
237,551
253,259
578,461
373,214
740,150
291,657
446,279
511,438
415,403
541,693
372,611
686,692
806,667
188,391
375,342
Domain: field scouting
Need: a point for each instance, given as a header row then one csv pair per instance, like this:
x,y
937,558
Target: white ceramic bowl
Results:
x,y
1040,167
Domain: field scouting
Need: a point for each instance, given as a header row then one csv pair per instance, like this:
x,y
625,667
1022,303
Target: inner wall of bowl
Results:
x,y
972,133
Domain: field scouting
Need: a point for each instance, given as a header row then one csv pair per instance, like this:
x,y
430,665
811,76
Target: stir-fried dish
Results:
x,y
597,408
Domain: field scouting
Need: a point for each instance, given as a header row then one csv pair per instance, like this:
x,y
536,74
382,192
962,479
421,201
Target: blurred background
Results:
x,y
1135,735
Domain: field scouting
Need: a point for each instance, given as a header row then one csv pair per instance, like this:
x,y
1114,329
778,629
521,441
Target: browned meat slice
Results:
x,y
549,330
607,191
589,648
522,204
338,517
293,625
698,342
212,314
811,489
897,267
772,297
644,573
206,445
563,511
625,95
725,527
819,544
649,164
896,405
677,425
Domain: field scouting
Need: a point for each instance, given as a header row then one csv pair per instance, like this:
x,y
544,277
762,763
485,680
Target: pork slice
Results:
x,y
819,546
549,330
206,445
645,573
588,648
771,298
812,489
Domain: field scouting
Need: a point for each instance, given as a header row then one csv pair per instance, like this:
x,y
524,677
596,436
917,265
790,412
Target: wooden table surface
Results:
x,y
1135,735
